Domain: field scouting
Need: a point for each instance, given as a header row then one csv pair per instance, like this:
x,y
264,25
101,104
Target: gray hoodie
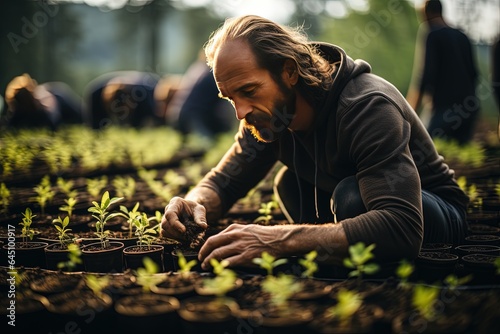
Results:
x,y
365,128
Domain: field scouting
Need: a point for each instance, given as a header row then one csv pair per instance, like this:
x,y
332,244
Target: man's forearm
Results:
x,y
209,199
329,240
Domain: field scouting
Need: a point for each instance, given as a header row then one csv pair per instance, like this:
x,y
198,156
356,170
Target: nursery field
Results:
x,y
81,251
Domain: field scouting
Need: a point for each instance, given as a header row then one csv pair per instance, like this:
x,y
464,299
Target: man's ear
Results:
x,y
290,73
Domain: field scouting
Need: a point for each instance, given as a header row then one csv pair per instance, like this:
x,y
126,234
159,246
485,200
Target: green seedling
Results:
x,y
309,264
280,289
27,232
404,271
268,262
62,231
44,193
95,186
97,284
74,258
475,201
348,303
69,207
266,212
66,187
174,180
452,281
497,265
223,281
360,255
124,186
424,299
130,216
146,275
184,266
100,211
145,235
4,198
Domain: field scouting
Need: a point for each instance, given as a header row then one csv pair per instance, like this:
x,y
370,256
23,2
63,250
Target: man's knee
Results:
x,y
346,199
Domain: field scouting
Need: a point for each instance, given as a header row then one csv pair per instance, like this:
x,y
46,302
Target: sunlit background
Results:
x,y
75,41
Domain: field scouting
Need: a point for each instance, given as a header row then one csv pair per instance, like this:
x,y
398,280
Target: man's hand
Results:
x,y
240,244
171,224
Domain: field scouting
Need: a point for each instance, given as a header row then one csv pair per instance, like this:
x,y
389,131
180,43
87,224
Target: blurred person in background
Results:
x,y
196,107
447,75
123,98
32,105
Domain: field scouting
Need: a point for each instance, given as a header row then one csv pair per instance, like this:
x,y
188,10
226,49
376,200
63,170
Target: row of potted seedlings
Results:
x,y
225,301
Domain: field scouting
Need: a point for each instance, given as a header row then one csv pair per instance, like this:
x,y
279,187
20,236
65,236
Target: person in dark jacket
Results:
x,y
122,98
447,73
359,166
49,105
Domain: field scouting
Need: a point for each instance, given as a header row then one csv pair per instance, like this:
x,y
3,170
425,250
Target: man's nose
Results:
x,y
242,109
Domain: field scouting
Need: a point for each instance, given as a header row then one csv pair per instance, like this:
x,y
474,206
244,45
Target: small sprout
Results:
x,y
130,216
280,289
4,198
497,265
309,264
100,211
268,262
424,299
348,303
184,266
44,193
62,231
97,283
124,186
66,187
73,258
266,211
146,275
95,186
404,271
146,236
224,279
27,232
70,205
453,281
360,255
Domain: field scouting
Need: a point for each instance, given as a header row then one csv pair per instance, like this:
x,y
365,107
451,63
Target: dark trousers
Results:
x,y
443,223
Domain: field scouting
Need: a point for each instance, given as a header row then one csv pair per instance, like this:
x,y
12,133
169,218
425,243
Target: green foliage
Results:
x,y
44,193
184,266
74,258
266,212
146,235
268,262
224,280
62,229
453,281
424,299
97,283
70,205
280,289
360,255
66,187
124,186
497,265
475,201
4,198
96,185
146,275
470,154
100,211
309,264
348,302
27,232
130,216
404,271
174,180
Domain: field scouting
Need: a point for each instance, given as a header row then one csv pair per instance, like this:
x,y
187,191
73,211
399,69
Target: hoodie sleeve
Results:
x,y
375,136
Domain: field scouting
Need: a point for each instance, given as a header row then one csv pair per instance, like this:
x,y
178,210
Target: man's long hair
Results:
x,y
272,44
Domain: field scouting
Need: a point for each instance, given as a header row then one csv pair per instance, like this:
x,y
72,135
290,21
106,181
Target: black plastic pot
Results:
x,y
99,260
133,256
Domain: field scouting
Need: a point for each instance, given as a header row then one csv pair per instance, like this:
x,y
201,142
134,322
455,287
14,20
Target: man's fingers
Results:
x,y
200,217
